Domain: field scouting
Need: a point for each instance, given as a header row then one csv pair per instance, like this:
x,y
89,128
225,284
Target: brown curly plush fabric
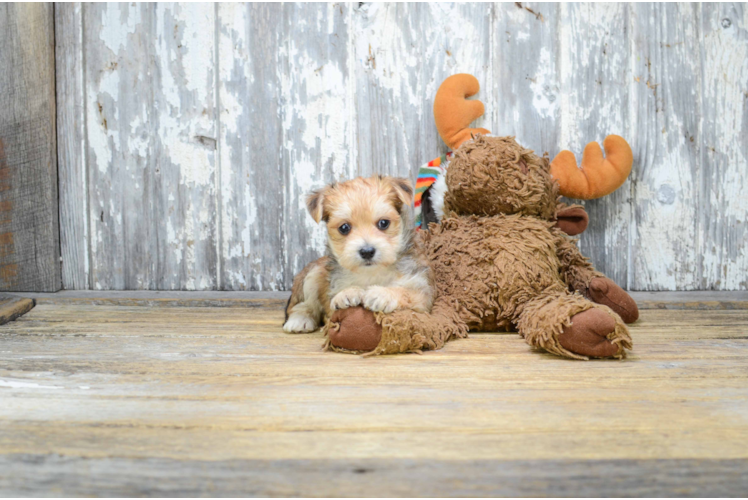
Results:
x,y
400,331
405,331
500,264
495,175
576,270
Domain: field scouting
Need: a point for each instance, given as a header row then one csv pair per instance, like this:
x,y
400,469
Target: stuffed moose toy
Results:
x,y
497,239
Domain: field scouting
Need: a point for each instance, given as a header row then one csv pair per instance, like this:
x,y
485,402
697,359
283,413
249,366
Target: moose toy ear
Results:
x,y
572,220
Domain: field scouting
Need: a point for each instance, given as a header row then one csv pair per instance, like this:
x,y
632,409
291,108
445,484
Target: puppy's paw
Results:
x,y
380,298
300,323
350,297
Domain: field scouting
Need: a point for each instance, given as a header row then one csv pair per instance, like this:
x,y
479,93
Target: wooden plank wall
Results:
x,y
29,232
191,132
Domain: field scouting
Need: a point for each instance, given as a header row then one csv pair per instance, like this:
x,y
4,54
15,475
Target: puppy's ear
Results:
x,y
403,190
315,204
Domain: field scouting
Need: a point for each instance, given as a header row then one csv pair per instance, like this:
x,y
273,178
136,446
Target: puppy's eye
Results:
x,y
383,224
344,229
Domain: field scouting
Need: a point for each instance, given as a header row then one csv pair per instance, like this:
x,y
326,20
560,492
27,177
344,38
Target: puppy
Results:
x,y
372,259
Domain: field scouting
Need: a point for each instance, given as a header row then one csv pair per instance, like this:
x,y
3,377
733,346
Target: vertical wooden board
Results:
x,y
403,52
665,106
71,150
120,136
159,195
724,207
526,74
237,204
318,119
595,73
252,189
151,145
29,223
184,177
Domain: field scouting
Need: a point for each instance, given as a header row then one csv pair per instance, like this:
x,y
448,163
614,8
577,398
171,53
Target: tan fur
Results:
x,y
397,277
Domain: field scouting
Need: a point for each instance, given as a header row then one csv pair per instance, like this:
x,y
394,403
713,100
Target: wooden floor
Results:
x,y
132,400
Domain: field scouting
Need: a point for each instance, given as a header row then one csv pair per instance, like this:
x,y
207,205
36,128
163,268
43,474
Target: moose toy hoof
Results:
x,y
587,334
356,329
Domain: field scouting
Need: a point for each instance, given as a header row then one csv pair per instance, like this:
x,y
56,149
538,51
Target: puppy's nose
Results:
x,y
367,253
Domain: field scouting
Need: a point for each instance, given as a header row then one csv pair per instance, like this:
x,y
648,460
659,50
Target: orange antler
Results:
x,y
598,176
453,113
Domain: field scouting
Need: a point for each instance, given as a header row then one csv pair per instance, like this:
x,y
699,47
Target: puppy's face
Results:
x,y
366,223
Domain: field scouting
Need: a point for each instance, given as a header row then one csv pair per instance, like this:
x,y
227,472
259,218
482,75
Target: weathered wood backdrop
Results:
x,y
189,133
29,232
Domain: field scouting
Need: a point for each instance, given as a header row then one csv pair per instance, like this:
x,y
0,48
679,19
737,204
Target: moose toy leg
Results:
x,y
569,325
579,274
359,330
604,291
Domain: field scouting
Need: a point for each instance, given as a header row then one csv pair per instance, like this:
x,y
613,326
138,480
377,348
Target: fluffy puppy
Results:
x,y
372,259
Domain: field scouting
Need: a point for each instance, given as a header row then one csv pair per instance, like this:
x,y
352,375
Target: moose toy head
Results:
x,y
490,175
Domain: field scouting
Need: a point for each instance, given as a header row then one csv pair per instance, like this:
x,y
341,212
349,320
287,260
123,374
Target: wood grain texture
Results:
x,y
12,307
724,151
29,221
708,300
241,118
527,74
185,181
666,105
167,299
75,476
595,61
120,158
151,140
71,145
251,153
404,52
319,143
222,395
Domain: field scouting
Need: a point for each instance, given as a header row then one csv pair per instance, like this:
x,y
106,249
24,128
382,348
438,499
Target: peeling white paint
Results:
x,y
237,204
118,22
199,49
171,237
582,71
542,84
355,87
725,243
318,138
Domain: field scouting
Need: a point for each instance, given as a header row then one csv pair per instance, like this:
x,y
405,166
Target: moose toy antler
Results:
x,y
453,113
599,176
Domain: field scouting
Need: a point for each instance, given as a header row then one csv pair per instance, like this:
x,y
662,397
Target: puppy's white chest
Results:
x,y
364,278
